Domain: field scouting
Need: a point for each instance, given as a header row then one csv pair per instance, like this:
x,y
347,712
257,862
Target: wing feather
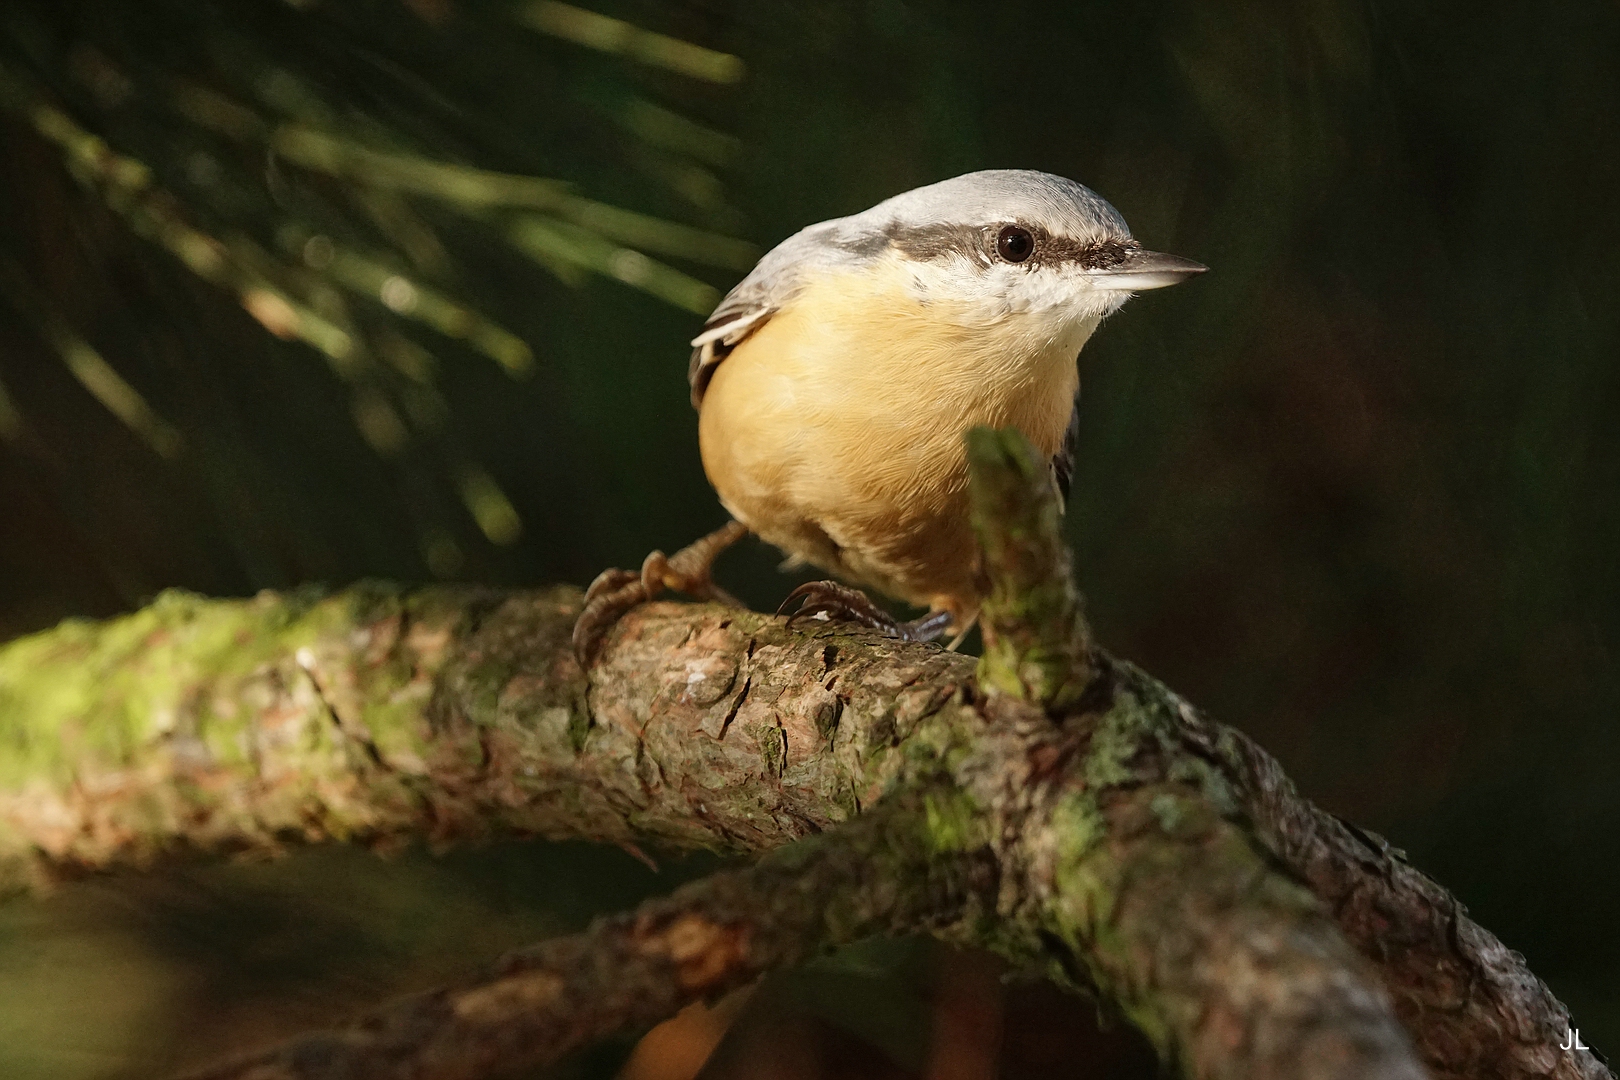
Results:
x,y
722,333
1063,460
754,299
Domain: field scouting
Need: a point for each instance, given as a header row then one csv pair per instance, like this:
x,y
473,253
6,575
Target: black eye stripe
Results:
x,y
978,243
1053,250
1103,254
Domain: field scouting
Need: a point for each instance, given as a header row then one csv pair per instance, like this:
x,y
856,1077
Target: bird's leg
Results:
x,y
828,600
615,592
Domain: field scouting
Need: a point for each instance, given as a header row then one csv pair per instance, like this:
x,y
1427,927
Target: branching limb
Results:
x,y
1193,881
1135,866
878,875
1138,847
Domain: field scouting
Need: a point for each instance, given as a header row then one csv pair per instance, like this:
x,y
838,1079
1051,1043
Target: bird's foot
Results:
x,y
615,592
830,601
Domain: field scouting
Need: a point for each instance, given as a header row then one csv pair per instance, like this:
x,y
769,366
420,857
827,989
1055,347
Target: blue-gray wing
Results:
x,y
754,299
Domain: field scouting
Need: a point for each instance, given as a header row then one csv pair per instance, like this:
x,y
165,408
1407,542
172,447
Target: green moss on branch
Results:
x,y
386,716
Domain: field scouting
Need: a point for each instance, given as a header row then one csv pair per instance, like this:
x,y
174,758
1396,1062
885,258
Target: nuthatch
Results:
x,y
834,384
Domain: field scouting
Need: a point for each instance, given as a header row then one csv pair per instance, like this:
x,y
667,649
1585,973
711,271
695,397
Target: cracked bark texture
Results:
x,y
382,715
1139,849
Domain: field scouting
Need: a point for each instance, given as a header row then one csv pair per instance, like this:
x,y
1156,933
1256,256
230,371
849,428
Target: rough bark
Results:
x,y
1138,849
382,715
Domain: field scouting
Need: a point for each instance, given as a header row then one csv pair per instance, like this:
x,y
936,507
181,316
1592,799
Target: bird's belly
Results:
x,y
845,448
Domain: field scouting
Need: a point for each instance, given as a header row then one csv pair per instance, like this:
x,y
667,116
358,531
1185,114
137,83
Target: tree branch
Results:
x,y
1473,1005
1133,866
383,716
629,971
1138,848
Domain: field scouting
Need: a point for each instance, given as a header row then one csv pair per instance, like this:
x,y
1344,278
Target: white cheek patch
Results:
x,y
953,280
992,291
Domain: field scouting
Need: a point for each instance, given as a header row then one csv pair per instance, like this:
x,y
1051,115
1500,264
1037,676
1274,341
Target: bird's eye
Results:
x,y
1015,243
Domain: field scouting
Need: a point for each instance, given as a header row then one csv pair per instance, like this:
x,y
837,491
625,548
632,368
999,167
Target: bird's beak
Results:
x,y
1142,270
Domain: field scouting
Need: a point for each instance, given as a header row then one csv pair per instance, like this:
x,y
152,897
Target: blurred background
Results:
x,y
298,291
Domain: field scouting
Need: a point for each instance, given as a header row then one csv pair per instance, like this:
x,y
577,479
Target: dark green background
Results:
x,y
1355,491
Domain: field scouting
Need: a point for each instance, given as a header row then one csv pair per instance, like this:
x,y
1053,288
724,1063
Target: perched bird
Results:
x,y
834,384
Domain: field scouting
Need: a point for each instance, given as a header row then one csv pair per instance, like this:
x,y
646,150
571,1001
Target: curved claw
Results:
x,y
610,580
835,601
830,600
615,592
603,608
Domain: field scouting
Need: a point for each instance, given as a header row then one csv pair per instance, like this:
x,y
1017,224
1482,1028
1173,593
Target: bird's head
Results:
x,y
1007,241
